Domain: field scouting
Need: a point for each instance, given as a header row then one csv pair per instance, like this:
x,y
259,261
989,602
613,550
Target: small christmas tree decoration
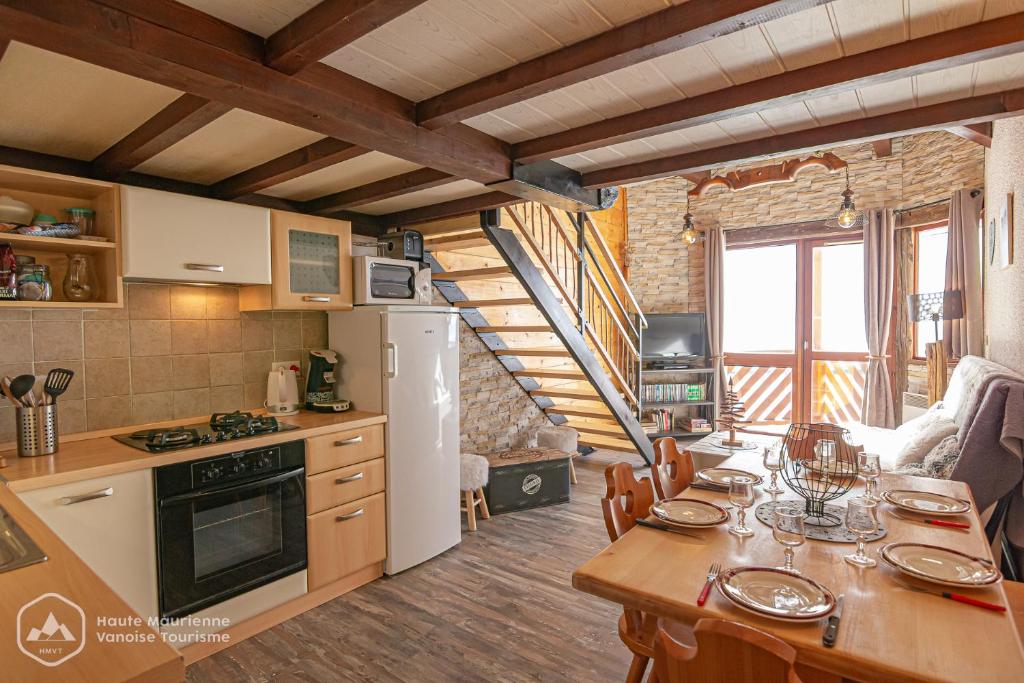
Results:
x,y
730,414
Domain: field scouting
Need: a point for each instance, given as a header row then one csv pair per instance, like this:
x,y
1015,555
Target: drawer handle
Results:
x,y
354,477
81,498
212,267
352,515
318,299
349,442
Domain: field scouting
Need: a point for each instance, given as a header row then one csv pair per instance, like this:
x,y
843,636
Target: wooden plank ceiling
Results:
x,y
407,108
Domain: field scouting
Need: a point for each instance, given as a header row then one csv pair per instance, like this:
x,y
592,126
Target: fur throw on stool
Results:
x,y
473,471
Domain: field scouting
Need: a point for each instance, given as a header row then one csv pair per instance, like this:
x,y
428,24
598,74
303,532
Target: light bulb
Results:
x,y
690,236
846,217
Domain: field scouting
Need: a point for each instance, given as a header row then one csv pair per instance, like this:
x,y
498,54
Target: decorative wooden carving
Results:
x,y
731,414
786,172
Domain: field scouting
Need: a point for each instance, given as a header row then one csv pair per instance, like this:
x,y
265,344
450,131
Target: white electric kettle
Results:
x,y
282,393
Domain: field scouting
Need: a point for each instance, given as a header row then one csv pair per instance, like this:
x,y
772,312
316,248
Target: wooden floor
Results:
x,y
499,607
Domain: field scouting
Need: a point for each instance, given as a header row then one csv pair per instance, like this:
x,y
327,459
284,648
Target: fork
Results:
x,y
713,572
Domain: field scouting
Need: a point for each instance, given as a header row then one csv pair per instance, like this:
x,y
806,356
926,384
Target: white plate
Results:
x,y
689,512
776,593
930,503
721,476
940,565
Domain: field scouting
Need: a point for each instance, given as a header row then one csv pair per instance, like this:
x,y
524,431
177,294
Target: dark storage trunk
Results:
x,y
527,479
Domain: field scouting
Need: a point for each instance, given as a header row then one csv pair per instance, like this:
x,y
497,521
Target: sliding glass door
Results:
x,y
794,330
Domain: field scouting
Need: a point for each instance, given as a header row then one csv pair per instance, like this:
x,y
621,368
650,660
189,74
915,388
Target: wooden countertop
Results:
x,y
95,455
64,573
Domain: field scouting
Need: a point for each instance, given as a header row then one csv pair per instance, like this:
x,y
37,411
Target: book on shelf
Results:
x,y
695,424
674,393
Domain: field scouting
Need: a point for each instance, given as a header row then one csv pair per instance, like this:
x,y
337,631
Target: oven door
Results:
x,y
219,542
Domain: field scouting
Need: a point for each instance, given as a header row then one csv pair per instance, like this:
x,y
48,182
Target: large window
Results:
x,y
929,276
760,299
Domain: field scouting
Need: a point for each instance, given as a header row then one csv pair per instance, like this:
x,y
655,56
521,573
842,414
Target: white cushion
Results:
x,y
558,437
473,471
933,431
886,442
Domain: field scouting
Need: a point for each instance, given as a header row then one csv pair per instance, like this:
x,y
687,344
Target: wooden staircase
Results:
x,y
542,290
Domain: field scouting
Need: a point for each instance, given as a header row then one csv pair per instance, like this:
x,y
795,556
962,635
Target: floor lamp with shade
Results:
x,y
936,306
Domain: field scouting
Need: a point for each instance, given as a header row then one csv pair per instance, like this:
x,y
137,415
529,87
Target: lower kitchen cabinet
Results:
x,y
345,539
108,522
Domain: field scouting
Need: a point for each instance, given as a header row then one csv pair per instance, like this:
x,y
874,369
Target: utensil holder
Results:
x,y
37,430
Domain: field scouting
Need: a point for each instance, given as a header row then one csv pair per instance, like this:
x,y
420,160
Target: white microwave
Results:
x,y
380,280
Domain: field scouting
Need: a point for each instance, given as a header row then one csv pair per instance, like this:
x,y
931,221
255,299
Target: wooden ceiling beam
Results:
x,y
298,162
906,122
413,181
170,125
689,23
454,207
945,50
328,27
882,148
980,133
165,52
3,47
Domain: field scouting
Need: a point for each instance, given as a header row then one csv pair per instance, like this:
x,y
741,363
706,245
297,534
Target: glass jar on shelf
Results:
x,y
79,283
8,273
85,219
34,283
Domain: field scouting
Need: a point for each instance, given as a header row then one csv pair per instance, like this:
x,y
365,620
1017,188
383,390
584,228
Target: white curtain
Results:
x,y
714,301
879,254
963,274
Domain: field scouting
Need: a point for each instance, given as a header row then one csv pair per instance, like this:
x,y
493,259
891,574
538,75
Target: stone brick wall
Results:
x,y
668,277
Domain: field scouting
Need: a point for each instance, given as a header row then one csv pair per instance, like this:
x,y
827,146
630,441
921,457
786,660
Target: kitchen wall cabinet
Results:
x,y
180,238
109,523
312,266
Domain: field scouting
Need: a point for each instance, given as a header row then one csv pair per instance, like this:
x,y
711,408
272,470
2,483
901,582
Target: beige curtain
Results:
x,y
879,254
963,274
714,301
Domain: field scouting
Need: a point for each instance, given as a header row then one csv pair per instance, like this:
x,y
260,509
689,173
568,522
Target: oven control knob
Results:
x,y
239,467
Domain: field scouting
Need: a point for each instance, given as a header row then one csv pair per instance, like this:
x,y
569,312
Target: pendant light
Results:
x,y
690,233
847,217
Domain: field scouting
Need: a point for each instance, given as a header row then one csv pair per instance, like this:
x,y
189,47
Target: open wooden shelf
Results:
x,y
61,245
59,304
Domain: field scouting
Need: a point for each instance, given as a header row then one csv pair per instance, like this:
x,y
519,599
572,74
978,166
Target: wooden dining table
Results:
x,y
887,632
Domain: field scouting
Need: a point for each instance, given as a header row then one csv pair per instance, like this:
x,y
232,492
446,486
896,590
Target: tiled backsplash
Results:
x,y
173,351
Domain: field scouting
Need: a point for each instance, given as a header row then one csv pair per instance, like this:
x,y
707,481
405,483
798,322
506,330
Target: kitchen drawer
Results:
x,y
344,485
345,539
331,451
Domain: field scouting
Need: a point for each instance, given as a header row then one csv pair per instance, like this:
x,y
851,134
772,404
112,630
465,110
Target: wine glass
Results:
x,y
871,469
773,463
861,520
741,494
789,531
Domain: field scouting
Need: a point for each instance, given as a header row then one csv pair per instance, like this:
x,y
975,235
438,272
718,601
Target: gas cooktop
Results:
x,y
221,427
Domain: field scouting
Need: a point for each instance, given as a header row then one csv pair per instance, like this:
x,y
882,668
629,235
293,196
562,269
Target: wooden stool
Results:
x,y
473,472
563,439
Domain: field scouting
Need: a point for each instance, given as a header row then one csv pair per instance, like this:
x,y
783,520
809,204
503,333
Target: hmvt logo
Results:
x,y
51,629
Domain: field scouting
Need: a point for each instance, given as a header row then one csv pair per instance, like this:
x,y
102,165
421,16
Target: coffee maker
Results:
x,y
320,383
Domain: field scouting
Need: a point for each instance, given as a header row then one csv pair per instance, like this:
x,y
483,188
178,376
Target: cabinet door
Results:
x,y
312,262
345,539
170,236
108,522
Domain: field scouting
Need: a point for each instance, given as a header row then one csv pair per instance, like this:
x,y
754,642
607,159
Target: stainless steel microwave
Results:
x,y
381,280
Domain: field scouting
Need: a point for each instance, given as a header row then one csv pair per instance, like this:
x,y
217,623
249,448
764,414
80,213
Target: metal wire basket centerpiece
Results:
x,y
820,464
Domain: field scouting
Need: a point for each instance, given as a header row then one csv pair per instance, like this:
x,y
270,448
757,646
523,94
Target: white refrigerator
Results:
x,y
404,361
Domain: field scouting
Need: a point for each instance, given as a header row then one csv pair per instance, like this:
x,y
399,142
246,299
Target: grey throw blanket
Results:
x,y
992,454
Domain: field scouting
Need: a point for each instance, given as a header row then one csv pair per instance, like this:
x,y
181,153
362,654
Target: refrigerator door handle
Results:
x,y
391,360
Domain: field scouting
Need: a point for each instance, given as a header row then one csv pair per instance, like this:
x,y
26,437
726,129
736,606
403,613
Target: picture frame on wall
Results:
x,y
992,235
1006,232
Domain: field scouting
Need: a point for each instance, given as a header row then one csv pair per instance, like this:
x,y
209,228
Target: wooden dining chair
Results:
x,y
672,470
626,500
726,652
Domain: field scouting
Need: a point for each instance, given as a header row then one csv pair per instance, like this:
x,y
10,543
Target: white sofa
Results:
x,y
906,447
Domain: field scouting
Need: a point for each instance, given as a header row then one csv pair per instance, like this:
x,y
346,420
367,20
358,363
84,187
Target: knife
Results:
x,y
665,527
957,597
828,639
963,526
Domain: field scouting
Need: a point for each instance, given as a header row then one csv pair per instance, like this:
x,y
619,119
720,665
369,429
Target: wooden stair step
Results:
x,y
468,240
483,303
578,394
497,329
557,352
607,443
473,274
576,411
601,430
550,374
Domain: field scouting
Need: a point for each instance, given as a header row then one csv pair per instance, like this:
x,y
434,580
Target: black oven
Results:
x,y
228,524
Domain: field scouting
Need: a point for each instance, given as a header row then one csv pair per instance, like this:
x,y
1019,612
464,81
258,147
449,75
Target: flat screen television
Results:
x,y
675,337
